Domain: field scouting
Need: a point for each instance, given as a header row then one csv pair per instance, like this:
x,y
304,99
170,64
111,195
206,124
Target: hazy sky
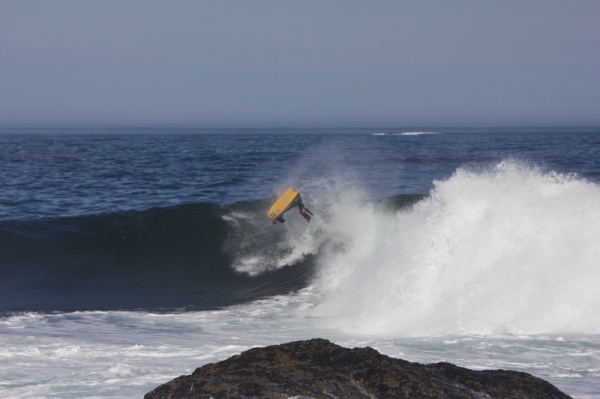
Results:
x,y
323,63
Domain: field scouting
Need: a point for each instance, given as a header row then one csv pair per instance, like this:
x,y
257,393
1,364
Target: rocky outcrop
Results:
x,y
319,369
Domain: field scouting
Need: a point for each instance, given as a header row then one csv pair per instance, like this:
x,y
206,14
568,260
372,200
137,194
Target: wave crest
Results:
x,y
505,249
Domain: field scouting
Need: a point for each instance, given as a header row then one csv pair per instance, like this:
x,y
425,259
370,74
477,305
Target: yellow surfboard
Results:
x,y
282,203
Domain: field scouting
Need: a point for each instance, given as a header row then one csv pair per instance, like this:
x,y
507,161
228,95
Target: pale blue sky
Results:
x,y
324,63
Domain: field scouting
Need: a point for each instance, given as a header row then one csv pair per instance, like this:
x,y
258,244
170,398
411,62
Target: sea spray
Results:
x,y
258,246
506,249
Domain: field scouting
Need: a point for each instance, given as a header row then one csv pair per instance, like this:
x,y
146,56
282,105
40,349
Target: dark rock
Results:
x,y
319,369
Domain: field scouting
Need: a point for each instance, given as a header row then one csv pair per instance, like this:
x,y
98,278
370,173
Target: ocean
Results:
x,y
129,257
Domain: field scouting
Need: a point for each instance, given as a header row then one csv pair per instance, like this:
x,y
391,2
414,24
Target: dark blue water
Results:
x,y
137,219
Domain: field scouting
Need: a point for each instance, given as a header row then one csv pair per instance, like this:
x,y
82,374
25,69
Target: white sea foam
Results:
x,y
508,249
127,354
414,133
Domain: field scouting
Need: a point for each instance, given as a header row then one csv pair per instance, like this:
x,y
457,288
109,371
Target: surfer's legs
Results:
x,y
305,212
305,215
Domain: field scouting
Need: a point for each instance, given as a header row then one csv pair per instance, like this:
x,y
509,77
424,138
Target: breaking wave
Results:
x,y
508,248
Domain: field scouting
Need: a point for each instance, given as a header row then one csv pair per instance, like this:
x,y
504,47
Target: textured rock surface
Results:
x,y
318,368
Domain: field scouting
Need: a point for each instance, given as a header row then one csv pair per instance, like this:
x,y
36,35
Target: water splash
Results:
x,y
506,249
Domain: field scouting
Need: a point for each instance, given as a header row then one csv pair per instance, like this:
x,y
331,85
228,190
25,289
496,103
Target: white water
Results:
x,y
496,269
505,250
403,133
123,355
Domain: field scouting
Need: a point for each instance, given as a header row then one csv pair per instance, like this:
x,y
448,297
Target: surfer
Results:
x,y
288,200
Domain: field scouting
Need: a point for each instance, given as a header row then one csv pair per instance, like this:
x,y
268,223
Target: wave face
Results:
x,y
191,257
162,258
504,249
